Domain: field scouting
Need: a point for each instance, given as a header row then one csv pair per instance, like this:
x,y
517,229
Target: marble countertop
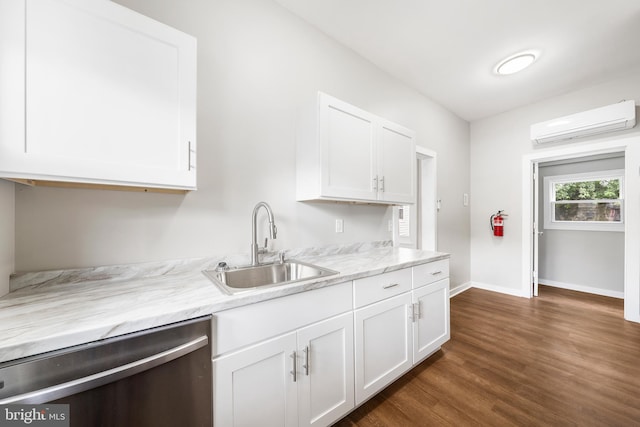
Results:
x,y
55,309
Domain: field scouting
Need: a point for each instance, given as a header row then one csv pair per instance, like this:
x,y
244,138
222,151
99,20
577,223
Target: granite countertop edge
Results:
x,y
69,309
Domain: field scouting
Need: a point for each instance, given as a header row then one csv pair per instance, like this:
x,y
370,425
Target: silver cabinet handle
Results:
x,y
101,378
191,165
294,356
375,183
306,361
435,273
414,310
391,285
382,184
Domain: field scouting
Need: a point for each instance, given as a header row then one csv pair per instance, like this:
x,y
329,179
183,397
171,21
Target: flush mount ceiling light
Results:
x,y
516,63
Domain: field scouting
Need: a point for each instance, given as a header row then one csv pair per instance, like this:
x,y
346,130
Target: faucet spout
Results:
x,y
273,230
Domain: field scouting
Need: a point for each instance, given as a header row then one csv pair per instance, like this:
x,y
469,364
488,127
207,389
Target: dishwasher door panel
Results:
x,y
160,377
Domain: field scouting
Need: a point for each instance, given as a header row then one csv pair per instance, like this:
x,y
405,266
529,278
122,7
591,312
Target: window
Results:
x,y
404,227
404,221
585,201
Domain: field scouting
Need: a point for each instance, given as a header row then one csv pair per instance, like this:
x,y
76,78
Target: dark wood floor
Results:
x,y
564,358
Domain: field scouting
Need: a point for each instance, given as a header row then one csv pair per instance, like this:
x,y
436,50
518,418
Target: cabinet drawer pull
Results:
x,y
435,273
294,373
391,285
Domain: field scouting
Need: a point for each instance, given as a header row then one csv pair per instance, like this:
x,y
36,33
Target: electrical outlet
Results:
x,y
339,226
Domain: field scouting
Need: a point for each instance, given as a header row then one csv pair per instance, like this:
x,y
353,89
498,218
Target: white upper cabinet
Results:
x,y
396,163
353,155
96,94
347,147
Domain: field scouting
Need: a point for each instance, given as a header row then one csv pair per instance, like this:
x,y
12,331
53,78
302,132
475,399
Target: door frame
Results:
x,y
425,210
631,147
427,199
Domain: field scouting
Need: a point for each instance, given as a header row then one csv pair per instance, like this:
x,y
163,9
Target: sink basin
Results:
x,y
266,275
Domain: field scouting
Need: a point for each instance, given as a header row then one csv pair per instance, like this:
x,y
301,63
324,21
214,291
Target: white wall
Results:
x,y
257,66
7,234
590,261
498,144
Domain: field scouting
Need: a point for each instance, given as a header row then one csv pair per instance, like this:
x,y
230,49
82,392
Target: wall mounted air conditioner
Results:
x,y
610,118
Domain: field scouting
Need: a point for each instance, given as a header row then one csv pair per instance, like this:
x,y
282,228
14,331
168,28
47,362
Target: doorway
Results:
x,y
580,219
630,146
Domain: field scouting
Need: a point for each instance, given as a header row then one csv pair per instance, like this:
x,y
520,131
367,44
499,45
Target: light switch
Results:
x,y
465,199
339,226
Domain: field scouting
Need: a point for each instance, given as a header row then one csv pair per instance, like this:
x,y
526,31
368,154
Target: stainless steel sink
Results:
x,y
266,275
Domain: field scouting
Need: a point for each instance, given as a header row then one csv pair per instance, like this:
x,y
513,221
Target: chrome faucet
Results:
x,y
273,230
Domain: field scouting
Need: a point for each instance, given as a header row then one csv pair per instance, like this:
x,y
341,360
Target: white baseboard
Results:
x,y
459,289
499,289
580,288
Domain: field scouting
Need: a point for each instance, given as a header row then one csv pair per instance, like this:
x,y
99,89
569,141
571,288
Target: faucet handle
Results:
x,y
263,249
281,257
222,266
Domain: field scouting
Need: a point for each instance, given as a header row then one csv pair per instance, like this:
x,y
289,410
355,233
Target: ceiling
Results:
x,y
448,49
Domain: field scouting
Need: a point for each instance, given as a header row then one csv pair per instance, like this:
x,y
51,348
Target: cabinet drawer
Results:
x,y
430,272
377,288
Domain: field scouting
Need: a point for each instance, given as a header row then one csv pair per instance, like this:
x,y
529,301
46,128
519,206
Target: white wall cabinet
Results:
x,y
95,93
301,378
353,155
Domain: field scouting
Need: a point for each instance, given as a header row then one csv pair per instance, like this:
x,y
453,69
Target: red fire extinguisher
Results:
x,y
497,223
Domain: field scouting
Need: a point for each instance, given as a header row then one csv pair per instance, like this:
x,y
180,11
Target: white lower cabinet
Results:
x,y
310,358
431,319
405,321
254,387
383,344
301,378
325,382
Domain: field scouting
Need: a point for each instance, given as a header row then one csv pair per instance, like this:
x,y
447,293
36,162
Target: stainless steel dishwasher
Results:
x,y
158,377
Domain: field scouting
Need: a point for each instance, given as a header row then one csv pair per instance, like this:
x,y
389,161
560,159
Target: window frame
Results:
x,y
549,200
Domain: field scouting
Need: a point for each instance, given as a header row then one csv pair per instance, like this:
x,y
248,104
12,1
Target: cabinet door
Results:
x,y
396,163
431,328
325,389
255,387
346,135
109,97
382,344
